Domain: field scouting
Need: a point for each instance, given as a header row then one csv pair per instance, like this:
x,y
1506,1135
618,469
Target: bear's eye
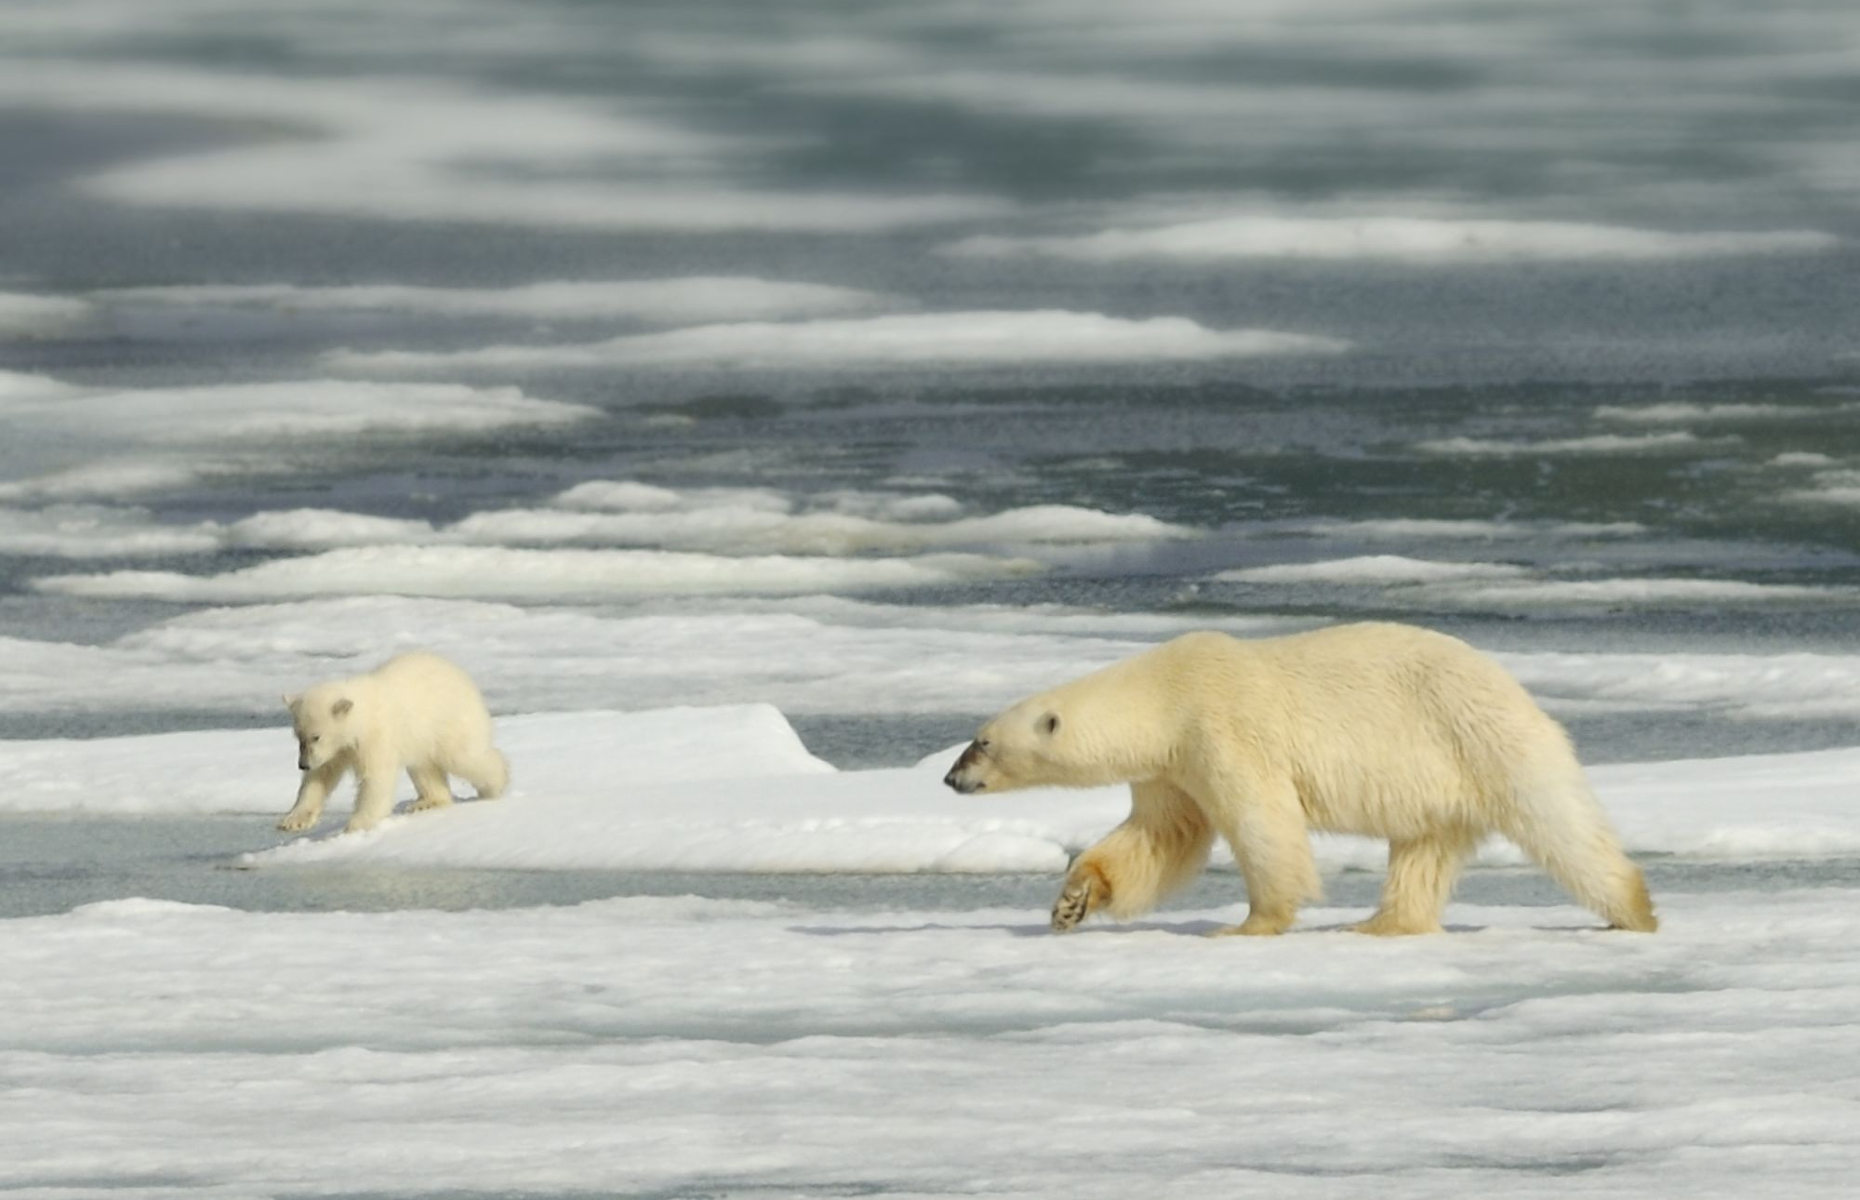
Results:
x,y
1049,724
315,738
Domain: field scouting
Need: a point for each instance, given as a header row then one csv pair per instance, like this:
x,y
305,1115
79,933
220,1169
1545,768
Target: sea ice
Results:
x,y
681,1046
732,789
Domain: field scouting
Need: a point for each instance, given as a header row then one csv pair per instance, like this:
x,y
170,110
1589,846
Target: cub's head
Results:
x,y
322,718
1026,746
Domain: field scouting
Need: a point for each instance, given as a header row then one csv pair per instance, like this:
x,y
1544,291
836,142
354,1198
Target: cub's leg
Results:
x,y
374,793
1158,848
430,786
315,788
1421,876
1265,824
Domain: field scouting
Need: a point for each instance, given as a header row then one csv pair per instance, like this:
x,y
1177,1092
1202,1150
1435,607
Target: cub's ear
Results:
x,y
341,707
1049,724
291,702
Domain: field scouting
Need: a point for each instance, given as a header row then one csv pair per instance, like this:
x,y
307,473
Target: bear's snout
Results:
x,y
961,777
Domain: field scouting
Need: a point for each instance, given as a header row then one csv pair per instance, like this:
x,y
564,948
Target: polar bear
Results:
x,y
416,711
1379,729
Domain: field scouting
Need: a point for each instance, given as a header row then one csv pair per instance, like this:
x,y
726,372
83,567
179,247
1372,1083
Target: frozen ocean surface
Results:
x,y
754,397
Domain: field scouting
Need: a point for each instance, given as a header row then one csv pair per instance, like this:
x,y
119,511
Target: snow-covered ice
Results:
x,y
699,1047
733,789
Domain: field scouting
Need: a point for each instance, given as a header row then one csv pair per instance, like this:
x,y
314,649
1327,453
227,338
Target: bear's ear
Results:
x,y
341,707
1049,724
291,702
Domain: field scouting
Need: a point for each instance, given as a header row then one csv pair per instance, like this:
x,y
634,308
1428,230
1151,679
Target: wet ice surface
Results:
x,y
52,864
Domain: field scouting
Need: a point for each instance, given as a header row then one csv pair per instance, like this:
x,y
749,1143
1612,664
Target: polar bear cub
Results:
x,y
1378,729
416,712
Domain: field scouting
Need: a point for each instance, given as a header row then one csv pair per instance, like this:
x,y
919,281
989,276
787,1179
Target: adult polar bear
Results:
x,y
1378,729
417,712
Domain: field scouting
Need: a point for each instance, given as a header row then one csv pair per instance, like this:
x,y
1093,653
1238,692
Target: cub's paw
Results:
x,y
1083,892
361,824
295,822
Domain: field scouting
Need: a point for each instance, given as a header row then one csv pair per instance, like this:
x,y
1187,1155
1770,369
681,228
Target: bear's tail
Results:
x,y
1557,820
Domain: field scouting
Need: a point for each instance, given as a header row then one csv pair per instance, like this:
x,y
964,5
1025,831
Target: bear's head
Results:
x,y
1020,748
322,719
1121,724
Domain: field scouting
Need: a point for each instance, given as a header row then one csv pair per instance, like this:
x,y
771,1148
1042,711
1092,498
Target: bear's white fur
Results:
x,y
416,711
1378,729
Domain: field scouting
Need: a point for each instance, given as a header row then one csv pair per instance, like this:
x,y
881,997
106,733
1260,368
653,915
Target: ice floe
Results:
x,y
413,149
949,340
262,411
1411,240
25,315
671,301
501,572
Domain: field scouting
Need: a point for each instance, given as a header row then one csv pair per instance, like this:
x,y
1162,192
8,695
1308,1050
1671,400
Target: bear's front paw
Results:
x,y
1084,891
428,803
296,822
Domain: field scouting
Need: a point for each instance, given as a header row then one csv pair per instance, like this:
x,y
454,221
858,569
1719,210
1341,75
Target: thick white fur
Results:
x,y
416,712
1378,729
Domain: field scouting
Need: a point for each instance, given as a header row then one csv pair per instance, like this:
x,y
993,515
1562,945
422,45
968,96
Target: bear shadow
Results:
x,y
921,927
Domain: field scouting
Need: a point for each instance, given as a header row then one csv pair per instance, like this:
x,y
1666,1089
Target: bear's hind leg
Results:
x,y
430,786
1421,875
1158,848
1561,826
1266,828
487,771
